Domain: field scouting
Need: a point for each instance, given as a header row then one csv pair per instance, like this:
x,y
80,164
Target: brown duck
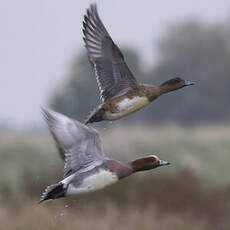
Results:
x,y
120,92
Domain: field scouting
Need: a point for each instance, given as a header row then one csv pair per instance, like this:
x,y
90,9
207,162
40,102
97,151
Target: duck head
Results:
x,y
174,84
147,163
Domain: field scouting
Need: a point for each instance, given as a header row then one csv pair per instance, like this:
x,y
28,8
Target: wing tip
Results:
x,y
93,22
93,7
49,115
45,112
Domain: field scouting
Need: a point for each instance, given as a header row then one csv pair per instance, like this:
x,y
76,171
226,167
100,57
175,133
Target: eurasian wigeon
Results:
x,y
119,90
87,168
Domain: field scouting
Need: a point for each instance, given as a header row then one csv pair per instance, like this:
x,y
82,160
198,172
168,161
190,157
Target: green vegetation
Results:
x,y
192,193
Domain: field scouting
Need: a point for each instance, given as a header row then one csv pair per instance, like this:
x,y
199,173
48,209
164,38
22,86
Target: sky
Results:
x,y
38,39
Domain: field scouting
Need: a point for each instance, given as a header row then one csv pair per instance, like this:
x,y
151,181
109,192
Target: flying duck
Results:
x,y
87,168
119,90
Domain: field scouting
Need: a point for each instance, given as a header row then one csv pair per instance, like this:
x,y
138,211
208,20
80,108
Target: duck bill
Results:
x,y
188,83
162,163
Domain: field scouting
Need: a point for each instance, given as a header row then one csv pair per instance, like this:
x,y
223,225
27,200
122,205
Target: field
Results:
x,y
192,193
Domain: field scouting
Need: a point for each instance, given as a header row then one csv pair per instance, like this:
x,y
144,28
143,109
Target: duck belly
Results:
x,y
126,107
92,182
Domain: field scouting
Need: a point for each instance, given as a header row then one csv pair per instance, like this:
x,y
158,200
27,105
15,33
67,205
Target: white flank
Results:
x,y
128,106
93,182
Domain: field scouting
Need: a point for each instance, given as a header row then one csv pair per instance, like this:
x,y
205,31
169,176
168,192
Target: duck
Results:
x,y
87,168
120,92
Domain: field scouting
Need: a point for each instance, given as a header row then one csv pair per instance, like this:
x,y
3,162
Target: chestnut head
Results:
x,y
147,163
174,84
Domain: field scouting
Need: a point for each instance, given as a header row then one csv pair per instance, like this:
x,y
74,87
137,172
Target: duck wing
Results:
x,y
79,144
112,73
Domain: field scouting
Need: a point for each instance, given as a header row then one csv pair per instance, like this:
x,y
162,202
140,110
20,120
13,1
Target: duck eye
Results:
x,y
177,80
150,160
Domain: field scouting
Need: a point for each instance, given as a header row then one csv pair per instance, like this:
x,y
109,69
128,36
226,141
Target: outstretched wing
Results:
x,y
80,144
112,73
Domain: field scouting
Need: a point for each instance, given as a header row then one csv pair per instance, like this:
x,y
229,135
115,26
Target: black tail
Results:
x,y
95,116
53,192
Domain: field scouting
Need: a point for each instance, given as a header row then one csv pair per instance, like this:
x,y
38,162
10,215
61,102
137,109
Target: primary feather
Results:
x,y
112,73
81,145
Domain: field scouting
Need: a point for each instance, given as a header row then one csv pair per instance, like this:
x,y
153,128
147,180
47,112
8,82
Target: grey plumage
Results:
x,y
81,145
87,168
112,73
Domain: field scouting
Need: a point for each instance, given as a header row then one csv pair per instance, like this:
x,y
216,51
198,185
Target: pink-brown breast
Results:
x,y
120,169
130,102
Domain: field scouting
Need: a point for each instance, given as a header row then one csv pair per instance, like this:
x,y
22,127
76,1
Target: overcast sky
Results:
x,y
38,39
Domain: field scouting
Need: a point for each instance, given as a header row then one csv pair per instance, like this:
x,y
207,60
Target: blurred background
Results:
x,y
43,62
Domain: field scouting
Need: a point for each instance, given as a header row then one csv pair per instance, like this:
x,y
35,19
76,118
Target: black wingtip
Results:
x,y
95,116
87,121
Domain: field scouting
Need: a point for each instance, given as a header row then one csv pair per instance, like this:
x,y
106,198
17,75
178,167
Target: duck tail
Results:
x,y
53,192
95,116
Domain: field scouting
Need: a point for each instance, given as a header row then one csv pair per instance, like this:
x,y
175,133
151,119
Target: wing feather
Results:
x,y
112,73
80,145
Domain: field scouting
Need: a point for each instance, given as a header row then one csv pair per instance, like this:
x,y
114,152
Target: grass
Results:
x,y
106,216
172,197
205,150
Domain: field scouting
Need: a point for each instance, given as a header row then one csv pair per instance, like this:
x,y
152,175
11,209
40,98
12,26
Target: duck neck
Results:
x,y
151,91
121,169
166,88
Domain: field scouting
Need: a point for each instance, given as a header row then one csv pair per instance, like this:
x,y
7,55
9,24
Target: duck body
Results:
x,y
93,181
130,102
107,173
87,168
124,107
119,90
125,104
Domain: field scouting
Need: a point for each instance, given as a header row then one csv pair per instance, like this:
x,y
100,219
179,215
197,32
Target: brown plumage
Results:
x,y
119,90
87,168
126,169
